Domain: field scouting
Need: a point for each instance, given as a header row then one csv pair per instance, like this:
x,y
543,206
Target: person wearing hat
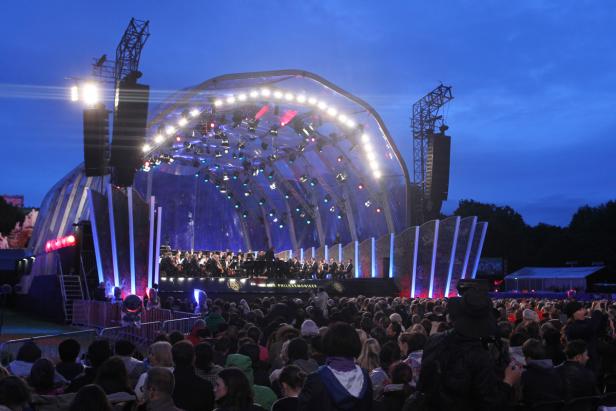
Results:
x,y
457,370
579,327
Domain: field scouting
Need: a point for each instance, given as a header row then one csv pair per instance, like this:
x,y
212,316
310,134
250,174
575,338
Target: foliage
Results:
x,y
9,216
589,238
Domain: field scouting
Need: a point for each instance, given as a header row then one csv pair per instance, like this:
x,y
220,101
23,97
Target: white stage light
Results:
x,y
332,111
377,174
74,93
218,103
365,138
322,105
301,99
288,97
182,122
312,101
254,94
158,138
350,123
146,148
194,112
169,130
242,97
230,100
265,92
277,94
90,94
342,118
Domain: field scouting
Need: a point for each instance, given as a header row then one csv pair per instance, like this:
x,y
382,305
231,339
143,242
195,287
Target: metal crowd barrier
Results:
x,y
141,336
183,325
48,344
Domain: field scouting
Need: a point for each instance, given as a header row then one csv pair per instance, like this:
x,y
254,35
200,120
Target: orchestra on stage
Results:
x,y
250,264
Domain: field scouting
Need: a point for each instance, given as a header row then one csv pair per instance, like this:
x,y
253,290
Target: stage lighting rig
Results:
x,y
313,182
261,201
303,178
272,186
274,131
264,146
327,198
341,177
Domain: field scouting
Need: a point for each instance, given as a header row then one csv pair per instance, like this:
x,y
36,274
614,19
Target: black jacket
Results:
x,y
579,381
467,378
587,330
191,392
541,382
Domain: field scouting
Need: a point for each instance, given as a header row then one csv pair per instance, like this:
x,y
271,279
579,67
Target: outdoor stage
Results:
x,y
248,288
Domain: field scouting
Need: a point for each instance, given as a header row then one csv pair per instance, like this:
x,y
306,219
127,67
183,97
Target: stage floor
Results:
x,y
21,325
232,288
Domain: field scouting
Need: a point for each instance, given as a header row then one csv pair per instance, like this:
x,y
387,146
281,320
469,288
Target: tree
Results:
x,y
9,216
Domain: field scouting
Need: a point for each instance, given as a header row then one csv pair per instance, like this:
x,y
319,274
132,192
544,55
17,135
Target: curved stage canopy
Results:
x,y
282,159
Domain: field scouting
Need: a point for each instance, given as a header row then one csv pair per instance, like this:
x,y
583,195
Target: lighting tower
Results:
x,y
426,117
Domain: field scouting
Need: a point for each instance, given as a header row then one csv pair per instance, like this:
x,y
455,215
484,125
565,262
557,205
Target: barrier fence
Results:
x,y
48,344
105,317
102,314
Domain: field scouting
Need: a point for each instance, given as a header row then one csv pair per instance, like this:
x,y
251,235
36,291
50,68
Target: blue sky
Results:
x,y
533,122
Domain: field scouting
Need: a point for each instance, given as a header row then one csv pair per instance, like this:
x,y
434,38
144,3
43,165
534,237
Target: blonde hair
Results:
x,y
161,353
369,356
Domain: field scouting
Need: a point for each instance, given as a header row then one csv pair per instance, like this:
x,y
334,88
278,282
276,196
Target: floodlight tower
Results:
x,y
426,116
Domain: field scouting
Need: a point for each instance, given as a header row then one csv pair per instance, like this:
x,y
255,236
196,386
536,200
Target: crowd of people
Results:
x,y
263,263
361,353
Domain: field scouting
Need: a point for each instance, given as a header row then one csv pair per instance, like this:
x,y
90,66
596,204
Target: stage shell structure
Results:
x,y
281,159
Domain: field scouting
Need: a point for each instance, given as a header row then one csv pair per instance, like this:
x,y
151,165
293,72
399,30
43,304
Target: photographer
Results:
x,y
458,371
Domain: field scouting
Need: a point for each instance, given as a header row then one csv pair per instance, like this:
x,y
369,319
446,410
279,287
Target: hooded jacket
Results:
x,y
324,391
264,396
541,382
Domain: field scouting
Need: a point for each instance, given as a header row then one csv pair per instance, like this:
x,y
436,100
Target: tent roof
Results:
x,y
553,272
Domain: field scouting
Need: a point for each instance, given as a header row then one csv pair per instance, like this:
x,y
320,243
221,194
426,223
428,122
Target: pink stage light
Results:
x,y
287,117
58,243
262,112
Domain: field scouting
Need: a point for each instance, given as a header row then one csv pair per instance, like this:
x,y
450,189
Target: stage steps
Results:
x,y
70,285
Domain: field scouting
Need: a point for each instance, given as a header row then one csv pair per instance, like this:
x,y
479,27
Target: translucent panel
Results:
x,y
445,251
365,258
120,216
425,255
101,215
382,256
403,257
463,248
476,247
141,230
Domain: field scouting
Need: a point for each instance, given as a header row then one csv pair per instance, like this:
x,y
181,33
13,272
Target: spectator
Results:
x,y
411,348
579,327
395,393
27,354
263,396
14,394
214,319
579,381
159,355
187,383
204,367
175,336
158,390
90,397
369,355
341,384
540,380
112,377
551,341
41,378
68,367
291,380
124,349
98,352
260,369
233,392
393,331
390,353
194,332
457,372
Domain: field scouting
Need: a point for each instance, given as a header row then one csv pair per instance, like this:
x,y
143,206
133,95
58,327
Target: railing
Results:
x,y
48,344
102,314
141,336
183,325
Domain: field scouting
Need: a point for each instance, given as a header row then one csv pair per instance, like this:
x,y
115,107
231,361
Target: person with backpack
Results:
x,y
457,371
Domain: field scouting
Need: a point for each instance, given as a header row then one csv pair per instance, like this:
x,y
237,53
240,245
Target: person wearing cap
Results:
x,y
457,370
579,327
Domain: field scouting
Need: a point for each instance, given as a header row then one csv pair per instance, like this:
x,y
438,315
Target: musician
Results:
x,y
333,268
215,266
348,269
314,268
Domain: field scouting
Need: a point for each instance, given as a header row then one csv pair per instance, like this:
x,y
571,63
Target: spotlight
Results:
x,y
339,216
264,146
378,209
237,205
272,186
194,112
236,175
270,176
272,213
182,121
308,221
360,186
286,196
146,148
281,225
90,94
273,131
313,182
341,177
247,194
297,209
291,158
332,209
303,178
245,182
217,154
368,203
339,159
245,214
261,201
327,198
301,148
